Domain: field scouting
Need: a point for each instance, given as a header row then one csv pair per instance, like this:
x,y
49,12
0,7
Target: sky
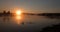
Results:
x,y
36,6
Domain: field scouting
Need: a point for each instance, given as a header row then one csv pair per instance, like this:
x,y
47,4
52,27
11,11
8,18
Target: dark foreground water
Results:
x,y
25,23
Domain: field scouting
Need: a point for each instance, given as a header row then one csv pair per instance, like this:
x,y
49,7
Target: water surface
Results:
x,y
28,23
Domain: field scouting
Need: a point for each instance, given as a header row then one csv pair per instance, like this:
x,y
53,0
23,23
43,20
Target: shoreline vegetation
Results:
x,y
51,15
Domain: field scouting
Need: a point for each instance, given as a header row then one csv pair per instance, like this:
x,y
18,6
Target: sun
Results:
x,y
18,12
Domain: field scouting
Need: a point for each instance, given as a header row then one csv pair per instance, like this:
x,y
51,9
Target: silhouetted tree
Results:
x,y
8,12
4,11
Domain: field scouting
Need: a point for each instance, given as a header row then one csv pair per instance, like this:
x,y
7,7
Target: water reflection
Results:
x,y
18,19
5,18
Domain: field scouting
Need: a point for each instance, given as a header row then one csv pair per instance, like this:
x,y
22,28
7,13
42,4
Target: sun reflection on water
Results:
x,y
18,18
